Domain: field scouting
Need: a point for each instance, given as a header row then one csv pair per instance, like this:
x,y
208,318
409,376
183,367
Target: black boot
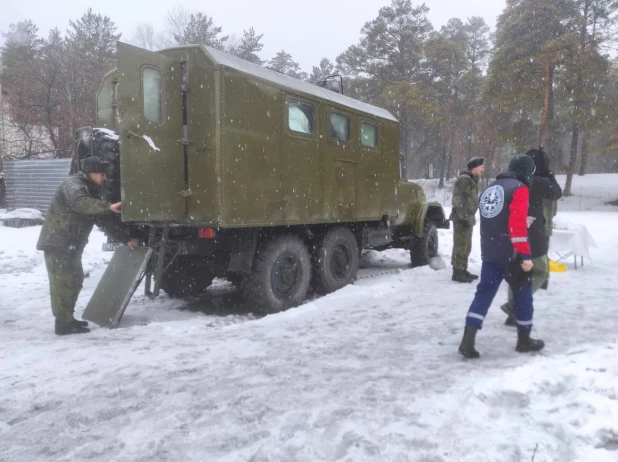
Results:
x,y
525,344
467,343
460,276
77,322
470,275
70,328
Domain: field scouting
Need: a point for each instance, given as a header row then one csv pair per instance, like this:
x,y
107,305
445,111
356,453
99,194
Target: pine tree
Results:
x,y
89,53
283,62
200,29
531,41
20,50
447,64
391,46
321,71
21,111
249,47
389,60
587,69
93,37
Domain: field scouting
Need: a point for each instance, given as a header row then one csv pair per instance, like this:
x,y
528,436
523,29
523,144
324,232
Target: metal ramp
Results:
x,y
118,284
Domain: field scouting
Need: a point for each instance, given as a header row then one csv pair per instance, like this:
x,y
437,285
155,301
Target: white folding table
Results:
x,y
574,241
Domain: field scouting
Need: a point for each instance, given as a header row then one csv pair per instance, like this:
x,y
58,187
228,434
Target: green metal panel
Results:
x,y
302,173
340,168
412,210
203,204
152,178
245,167
390,173
250,157
116,287
378,174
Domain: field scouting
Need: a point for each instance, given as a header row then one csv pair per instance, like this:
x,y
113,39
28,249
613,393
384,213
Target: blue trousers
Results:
x,y
492,275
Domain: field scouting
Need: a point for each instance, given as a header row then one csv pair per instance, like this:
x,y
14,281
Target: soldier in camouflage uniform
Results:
x,y
465,204
550,208
75,208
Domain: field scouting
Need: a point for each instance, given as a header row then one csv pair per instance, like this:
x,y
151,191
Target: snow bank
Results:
x,y
32,214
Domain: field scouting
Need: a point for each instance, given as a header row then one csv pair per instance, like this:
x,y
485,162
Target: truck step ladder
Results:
x,y
118,284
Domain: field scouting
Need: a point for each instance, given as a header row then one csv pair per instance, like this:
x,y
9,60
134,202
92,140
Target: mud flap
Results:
x,y
118,284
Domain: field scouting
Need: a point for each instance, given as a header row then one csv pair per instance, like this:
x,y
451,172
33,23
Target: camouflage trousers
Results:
x,y
66,277
540,274
462,246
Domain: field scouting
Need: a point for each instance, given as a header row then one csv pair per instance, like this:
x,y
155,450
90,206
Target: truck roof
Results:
x,y
297,86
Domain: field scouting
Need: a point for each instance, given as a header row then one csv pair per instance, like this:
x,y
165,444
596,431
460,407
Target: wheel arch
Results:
x,y
428,211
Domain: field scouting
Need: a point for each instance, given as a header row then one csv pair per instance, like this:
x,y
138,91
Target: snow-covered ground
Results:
x,y
369,373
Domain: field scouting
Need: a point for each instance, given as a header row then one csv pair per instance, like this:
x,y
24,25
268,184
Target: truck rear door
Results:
x,y
150,124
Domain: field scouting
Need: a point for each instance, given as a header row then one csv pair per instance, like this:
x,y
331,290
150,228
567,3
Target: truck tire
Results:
x,y
426,247
335,261
186,277
280,277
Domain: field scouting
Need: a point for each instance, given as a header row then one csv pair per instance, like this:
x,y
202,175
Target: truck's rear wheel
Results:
x,y
187,276
426,247
335,261
280,277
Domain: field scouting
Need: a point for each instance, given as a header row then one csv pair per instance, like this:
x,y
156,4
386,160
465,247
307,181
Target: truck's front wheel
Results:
x,y
280,277
426,247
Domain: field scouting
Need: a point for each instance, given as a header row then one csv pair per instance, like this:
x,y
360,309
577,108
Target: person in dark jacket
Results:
x,y
465,204
544,188
75,209
506,254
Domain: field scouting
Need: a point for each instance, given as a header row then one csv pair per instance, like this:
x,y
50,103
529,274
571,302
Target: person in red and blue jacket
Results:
x,y
506,255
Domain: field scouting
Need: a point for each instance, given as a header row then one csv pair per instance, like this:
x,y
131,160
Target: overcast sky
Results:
x,y
309,30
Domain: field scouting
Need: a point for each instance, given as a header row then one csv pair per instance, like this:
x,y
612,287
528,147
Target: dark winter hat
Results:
x,y
475,162
541,161
524,167
95,165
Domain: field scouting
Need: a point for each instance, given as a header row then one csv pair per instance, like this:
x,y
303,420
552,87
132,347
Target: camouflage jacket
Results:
x,y
465,199
75,209
550,208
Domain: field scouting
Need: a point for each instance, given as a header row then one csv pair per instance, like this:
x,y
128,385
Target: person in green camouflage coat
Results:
x,y
465,204
75,209
550,209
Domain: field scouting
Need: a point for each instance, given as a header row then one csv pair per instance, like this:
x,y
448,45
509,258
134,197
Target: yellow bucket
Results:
x,y
557,267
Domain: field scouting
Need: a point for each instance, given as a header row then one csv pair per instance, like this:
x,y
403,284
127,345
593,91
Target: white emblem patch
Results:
x,y
492,201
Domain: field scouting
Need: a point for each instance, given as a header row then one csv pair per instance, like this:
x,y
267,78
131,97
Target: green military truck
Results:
x,y
228,169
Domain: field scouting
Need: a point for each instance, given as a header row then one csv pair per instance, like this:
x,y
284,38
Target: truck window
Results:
x,y
301,117
369,135
152,94
339,127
